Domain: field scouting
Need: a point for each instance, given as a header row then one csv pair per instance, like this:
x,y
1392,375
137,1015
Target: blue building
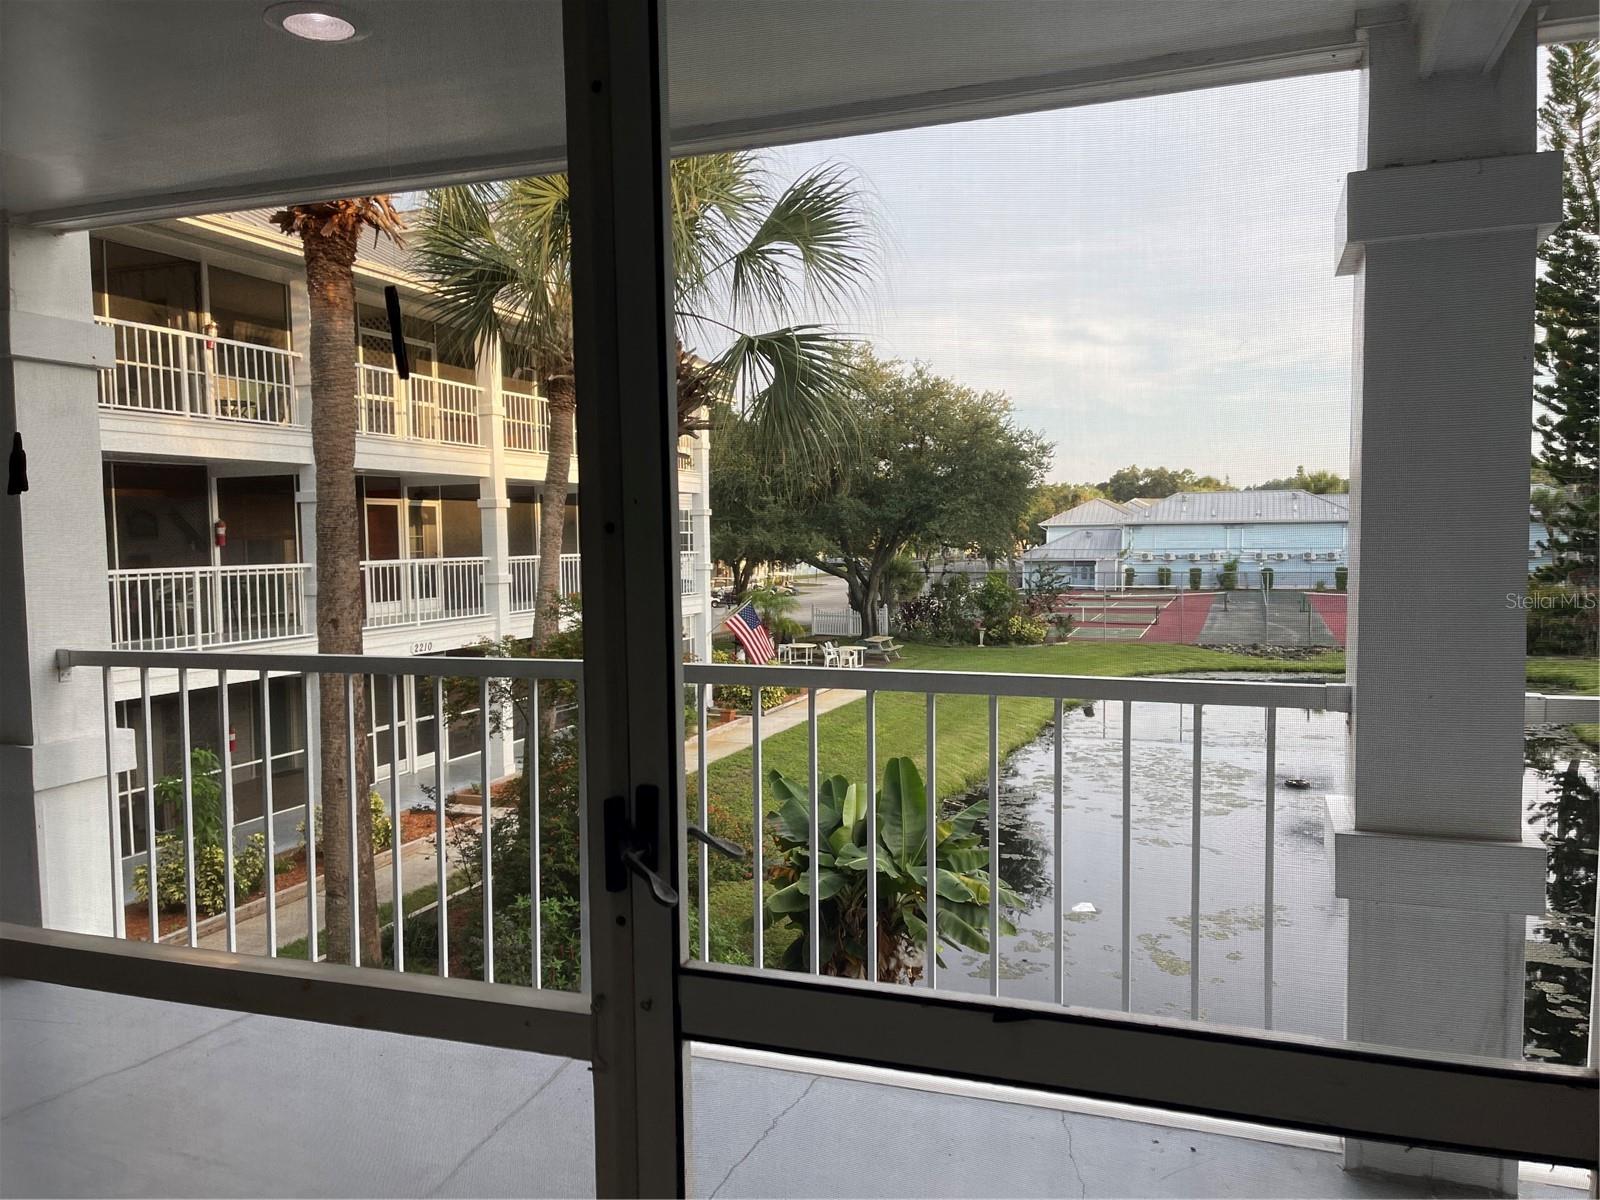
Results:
x,y
1299,536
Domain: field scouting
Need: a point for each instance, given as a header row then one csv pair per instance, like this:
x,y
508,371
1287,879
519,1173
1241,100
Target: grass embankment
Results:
x,y
962,736
1571,676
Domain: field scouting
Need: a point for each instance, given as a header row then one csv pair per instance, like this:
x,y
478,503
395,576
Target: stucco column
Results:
x,y
55,814
1441,231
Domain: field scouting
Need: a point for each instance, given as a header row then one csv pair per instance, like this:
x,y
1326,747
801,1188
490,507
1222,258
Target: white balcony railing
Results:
x,y
417,590
421,408
525,579
186,608
688,575
527,422
160,370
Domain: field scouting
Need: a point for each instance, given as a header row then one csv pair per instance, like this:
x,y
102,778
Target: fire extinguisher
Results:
x,y
221,531
233,741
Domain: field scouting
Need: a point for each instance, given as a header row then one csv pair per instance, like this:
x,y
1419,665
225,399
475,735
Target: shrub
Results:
x,y
210,872
997,600
1164,576
1341,578
737,696
1267,576
1042,589
1019,630
1194,579
559,929
945,614
1561,620
382,827
205,795
1127,576
1228,577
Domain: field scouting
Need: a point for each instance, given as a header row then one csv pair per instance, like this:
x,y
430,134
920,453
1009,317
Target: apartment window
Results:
x,y
145,286
158,516
685,531
260,514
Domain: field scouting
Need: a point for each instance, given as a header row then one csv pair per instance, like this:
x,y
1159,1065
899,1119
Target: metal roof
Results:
x,y
1091,512
1206,508
1080,543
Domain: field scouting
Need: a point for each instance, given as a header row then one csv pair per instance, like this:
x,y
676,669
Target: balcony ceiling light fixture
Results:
x,y
313,21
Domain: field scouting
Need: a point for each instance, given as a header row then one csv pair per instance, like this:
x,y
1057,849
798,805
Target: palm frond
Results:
x,y
796,390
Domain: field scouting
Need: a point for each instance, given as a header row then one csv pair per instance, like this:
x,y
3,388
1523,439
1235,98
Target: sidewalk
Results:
x,y
723,740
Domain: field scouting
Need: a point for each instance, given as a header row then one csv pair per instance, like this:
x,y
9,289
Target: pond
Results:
x,y
1308,921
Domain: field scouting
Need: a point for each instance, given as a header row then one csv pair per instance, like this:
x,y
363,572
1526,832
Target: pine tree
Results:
x,y
1568,313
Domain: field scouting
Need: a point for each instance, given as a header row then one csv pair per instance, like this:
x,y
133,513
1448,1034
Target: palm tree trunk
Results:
x,y
562,399
329,260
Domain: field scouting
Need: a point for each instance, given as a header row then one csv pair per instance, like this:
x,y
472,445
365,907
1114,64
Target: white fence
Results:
x,y
414,590
421,408
189,374
845,622
186,608
525,579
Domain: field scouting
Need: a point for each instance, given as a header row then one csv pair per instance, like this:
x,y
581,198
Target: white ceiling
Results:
x,y
118,109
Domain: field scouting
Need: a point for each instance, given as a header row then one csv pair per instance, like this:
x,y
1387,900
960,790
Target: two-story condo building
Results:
x,y
210,495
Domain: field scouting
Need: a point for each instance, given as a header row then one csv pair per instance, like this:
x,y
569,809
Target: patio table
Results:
x,y
797,652
852,656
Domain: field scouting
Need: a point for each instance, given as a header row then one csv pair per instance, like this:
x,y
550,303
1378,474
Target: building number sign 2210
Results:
x,y
422,647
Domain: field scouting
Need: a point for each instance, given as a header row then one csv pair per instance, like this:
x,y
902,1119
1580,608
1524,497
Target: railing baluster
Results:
x,y
188,800
441,757
311,701
267,816
1270,841
701,692
395,865
813,872
532,742
1061,874
994,845
149,773
930,967
488,832
1194,876
227,812
758,917
1127,855
872,834
353,787
118,914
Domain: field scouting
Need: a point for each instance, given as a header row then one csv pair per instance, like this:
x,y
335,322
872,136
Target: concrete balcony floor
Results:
x,y
107,1095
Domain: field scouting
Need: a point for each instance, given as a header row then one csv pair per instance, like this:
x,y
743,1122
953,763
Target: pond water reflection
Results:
x,y
1308,921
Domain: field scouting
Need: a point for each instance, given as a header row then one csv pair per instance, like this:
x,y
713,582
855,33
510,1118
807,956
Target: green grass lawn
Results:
x,y
1580,676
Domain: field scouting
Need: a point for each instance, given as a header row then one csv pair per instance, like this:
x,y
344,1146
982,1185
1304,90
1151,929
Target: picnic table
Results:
x,y
881,646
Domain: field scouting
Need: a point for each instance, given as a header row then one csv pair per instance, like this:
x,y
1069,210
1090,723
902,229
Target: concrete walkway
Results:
x,y
723,740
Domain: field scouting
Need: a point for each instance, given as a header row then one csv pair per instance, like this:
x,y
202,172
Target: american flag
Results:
x,y
749,632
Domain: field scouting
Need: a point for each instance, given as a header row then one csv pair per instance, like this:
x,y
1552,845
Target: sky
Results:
x,y
1149,281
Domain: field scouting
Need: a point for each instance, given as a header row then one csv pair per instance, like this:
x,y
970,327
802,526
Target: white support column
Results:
x,y
1441,230
55,818
494,513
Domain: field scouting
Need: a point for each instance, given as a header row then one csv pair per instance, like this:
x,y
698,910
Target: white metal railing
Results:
x,y
437,683
185,608
527,422
688,574
421,408
477,682
525,579
411,591
163,370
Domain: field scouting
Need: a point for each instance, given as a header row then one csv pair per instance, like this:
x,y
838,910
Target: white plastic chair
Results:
x,y
830,654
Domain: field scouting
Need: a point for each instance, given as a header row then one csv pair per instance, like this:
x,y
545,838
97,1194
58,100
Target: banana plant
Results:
x,y
960,866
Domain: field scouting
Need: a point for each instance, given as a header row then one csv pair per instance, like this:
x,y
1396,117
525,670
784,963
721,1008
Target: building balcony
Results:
x,y
419,409
416,591
190,608
525,579
170,372
526,422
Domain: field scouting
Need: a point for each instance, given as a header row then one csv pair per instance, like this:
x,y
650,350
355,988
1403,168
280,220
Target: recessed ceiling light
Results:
x,y
313,22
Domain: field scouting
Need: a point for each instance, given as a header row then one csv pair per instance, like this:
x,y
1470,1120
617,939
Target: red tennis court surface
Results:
x,y
1333,608
1146,617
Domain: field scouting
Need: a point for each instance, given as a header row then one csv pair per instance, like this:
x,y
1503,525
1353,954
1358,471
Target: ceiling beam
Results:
x,y
1465,35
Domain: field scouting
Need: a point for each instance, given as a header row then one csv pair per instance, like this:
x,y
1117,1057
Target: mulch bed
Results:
x,y
415,824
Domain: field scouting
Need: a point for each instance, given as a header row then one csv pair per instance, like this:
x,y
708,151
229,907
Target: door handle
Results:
x,y
630,844
720,845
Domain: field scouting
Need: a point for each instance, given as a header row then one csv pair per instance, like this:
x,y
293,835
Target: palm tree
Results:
x,y
744,254
329,232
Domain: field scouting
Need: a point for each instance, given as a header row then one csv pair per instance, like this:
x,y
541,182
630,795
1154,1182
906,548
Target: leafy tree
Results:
x,y
1568,314
746,257
1050,499
1321,483
754,524
960,863
940,465
1130,483
329,232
